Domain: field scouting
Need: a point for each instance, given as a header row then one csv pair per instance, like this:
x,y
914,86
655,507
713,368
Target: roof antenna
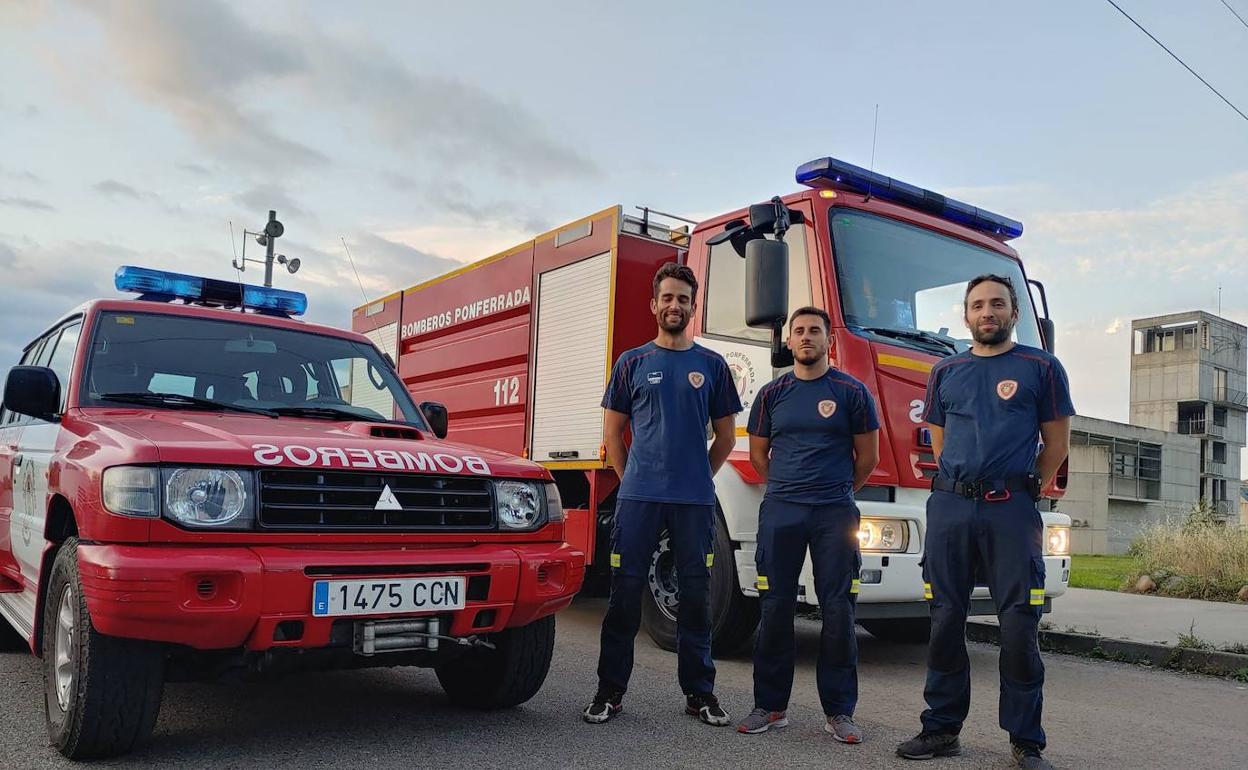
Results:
x,y
357,272
875,131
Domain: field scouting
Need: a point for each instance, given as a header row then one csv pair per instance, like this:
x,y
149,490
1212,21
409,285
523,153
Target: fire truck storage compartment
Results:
x,y
573,323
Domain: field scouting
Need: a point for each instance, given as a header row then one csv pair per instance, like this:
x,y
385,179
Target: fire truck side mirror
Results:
x,y
766,283
436,415
1048,330
34,391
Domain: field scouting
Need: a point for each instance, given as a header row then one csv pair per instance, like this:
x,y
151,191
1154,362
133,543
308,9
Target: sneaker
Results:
x,y
605,705
930,745
705,706
762,720
843,729
1029,757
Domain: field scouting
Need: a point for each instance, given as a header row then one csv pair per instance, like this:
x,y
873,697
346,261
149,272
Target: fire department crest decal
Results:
x,y
696,379
1006,389
827,407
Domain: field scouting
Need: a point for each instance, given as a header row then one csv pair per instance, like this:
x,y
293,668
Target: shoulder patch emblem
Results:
x,y
827,407
696,379
1006,389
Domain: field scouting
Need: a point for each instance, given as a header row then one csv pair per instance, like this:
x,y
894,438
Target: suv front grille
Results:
x,y
331,500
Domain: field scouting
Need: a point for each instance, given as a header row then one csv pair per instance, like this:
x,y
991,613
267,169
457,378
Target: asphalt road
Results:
x,y
1098,714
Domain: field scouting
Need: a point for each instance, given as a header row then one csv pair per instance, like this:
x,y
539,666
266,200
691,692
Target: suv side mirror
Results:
x,y
435,414
34,391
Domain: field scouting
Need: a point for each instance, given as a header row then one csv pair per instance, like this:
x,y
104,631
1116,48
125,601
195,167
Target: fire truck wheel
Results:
x,y
734,616
900,630
505,676
101,693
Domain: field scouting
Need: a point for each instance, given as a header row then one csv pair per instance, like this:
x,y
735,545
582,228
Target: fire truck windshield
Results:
x,y
177,362
905,284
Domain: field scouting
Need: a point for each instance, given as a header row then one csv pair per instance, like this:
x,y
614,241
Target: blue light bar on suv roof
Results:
x,y
830,172
160,284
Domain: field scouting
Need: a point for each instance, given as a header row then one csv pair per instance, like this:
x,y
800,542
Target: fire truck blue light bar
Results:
x,y
191,288
830,172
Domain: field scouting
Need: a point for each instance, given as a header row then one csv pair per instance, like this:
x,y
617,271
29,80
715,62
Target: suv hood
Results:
x,y
212,438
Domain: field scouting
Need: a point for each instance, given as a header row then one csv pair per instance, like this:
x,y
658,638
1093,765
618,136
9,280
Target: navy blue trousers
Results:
x,y
1002,541
634,539
785,531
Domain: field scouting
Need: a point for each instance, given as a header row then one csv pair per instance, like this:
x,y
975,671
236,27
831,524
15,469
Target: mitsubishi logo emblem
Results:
x,y
387,501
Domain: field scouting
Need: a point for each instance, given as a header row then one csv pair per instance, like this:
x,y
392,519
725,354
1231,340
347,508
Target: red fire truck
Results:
x,y
520,346
194,484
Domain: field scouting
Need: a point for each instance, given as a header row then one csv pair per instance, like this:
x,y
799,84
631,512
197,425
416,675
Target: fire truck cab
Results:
x,y
194,484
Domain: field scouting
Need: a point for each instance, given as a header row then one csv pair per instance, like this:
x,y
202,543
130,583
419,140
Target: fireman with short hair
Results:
x,y
814,435
667,390
986,406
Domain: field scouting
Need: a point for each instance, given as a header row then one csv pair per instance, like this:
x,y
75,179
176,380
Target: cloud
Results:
x,y
263,198
1114,327
204,64
113,188
21,175
194,60
194,168
26,203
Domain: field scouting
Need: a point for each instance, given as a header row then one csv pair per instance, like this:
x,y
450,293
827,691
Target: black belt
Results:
x,y
992,491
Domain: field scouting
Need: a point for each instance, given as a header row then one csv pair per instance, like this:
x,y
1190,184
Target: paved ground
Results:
x,y
1098,714
1147,618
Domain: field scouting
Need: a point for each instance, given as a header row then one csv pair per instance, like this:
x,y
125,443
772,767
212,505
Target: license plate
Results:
x,y
384,597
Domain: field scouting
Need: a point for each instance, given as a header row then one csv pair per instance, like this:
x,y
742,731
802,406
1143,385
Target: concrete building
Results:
x,y
1124,478
1189,375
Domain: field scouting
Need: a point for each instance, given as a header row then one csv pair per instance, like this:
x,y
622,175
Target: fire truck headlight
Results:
x,y
132,491
554,503
1057,541
209,497
887,535
519,504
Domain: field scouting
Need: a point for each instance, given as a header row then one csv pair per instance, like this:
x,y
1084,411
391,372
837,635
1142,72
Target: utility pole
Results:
x,y
272,231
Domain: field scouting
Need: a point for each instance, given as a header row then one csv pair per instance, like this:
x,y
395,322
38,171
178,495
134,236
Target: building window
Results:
x,y
1219,384
1204,335
1167,340
1219,452
1219,416
1124,464
1189,338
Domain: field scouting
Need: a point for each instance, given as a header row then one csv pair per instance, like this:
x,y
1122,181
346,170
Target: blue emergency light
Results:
x,y
163,285
828,172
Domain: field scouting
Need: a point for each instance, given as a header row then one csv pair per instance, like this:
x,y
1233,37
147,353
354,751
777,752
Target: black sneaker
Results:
x,y
930,746
1029,757
705,706
605,705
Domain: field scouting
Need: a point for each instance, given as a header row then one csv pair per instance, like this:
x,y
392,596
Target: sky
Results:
x,y
428,134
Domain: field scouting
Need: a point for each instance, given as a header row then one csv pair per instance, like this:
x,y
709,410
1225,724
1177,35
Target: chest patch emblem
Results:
x,y
696,379
1006,389
654,378
827,407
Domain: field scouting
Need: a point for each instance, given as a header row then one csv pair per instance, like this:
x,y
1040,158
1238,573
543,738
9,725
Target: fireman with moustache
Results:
x,y
814,435
986,408
667,391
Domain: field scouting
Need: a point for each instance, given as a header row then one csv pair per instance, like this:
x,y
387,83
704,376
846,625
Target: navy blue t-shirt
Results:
x,y
811,424
670,396
991,408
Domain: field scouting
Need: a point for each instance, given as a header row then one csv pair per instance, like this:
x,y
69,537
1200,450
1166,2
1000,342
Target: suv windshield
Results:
x,y
179,362
905,284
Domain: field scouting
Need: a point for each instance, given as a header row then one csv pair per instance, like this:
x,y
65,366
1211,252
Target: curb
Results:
x,y
1210,662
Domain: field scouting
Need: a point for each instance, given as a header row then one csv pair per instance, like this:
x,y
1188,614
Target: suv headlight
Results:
x,y
209,497
519,504
130,490
889,535
1057,541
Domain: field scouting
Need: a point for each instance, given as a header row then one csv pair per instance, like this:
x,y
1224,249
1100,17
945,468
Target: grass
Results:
x,y
1203,561
1108,573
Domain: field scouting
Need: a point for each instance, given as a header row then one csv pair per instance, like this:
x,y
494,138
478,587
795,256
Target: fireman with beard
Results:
x,y
814,435
986,407
667,391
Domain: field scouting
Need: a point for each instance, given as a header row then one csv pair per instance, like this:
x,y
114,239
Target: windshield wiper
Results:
x,y
913,334
328,412
177,399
